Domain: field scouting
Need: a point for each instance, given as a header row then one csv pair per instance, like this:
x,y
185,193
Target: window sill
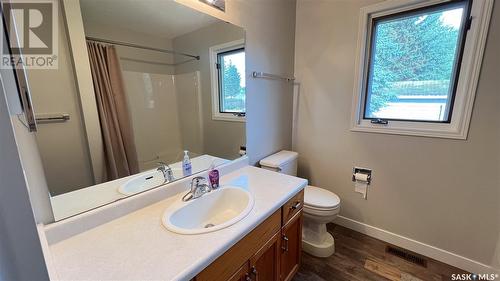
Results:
x,y
445,131
229,117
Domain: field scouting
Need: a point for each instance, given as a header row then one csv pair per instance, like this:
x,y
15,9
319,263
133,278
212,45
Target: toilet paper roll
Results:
x,y
361,184
361,177
361,187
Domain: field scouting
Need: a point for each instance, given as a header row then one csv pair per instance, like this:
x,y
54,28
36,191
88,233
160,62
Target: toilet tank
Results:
x,y
283,162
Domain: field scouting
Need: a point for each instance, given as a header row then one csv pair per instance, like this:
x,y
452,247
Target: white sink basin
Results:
x,y
142,182
213,211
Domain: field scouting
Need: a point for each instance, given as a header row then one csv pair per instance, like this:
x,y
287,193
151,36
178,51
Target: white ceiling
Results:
x,y
162,18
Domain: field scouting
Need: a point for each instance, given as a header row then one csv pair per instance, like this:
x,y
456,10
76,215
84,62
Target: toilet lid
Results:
x,y
320,198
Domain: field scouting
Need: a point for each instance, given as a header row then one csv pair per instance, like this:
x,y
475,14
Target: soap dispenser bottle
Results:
x,y
213,176
186,165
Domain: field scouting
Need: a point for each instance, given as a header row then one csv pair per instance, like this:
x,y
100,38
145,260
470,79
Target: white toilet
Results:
x,y
320,206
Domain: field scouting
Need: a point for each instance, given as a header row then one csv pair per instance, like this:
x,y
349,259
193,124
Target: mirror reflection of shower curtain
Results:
x,y
116,128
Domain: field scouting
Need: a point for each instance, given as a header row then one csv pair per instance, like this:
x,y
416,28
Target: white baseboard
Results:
x,y
417,247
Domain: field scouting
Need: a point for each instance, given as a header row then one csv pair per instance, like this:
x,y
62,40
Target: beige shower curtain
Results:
x,y
116,128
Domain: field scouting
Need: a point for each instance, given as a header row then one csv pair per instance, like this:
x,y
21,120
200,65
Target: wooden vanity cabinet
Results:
x,y
292,247
265,264
242,274
271,252
291,208
291,236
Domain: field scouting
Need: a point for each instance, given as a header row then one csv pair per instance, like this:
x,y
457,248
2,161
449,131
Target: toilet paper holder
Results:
x,y
365,171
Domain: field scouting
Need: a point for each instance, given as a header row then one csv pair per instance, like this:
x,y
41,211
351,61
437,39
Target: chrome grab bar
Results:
x,y
41,118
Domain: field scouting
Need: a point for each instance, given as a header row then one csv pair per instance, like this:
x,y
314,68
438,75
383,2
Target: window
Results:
x,y
231,73
418,67
414,62
228,81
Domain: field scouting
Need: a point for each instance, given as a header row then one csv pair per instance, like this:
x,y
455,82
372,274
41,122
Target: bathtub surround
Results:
x,y
173,99
153,97
435,195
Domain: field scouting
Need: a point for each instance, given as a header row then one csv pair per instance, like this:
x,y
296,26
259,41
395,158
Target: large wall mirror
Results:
x,y
139,84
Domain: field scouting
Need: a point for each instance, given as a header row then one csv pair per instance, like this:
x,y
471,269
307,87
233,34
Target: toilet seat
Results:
x,y
319,199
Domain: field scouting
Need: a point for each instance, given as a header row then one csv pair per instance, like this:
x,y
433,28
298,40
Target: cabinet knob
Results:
x,y
296,205
247,277
254,272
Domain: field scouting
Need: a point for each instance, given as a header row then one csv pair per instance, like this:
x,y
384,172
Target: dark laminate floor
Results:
x,y
360,257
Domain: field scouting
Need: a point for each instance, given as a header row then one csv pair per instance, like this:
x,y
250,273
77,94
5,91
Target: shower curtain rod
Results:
x,y
140,47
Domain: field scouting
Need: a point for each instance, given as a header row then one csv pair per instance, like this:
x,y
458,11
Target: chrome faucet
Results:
x,y
168,175
199,186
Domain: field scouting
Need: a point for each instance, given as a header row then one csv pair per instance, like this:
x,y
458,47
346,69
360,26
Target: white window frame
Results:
x,y
467,84
214,51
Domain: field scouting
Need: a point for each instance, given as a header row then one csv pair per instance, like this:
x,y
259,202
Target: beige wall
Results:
x,y
221,138
63,146
269,26
441,192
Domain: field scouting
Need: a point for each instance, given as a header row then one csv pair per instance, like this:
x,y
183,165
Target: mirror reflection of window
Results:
x,y
231,69
227,69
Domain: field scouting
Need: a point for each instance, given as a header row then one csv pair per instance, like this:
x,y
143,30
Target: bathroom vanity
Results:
x,y
270,252
127,240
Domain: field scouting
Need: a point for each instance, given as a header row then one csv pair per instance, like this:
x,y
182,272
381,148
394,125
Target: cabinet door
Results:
x,y
223,268
291,247
264,265
242,274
